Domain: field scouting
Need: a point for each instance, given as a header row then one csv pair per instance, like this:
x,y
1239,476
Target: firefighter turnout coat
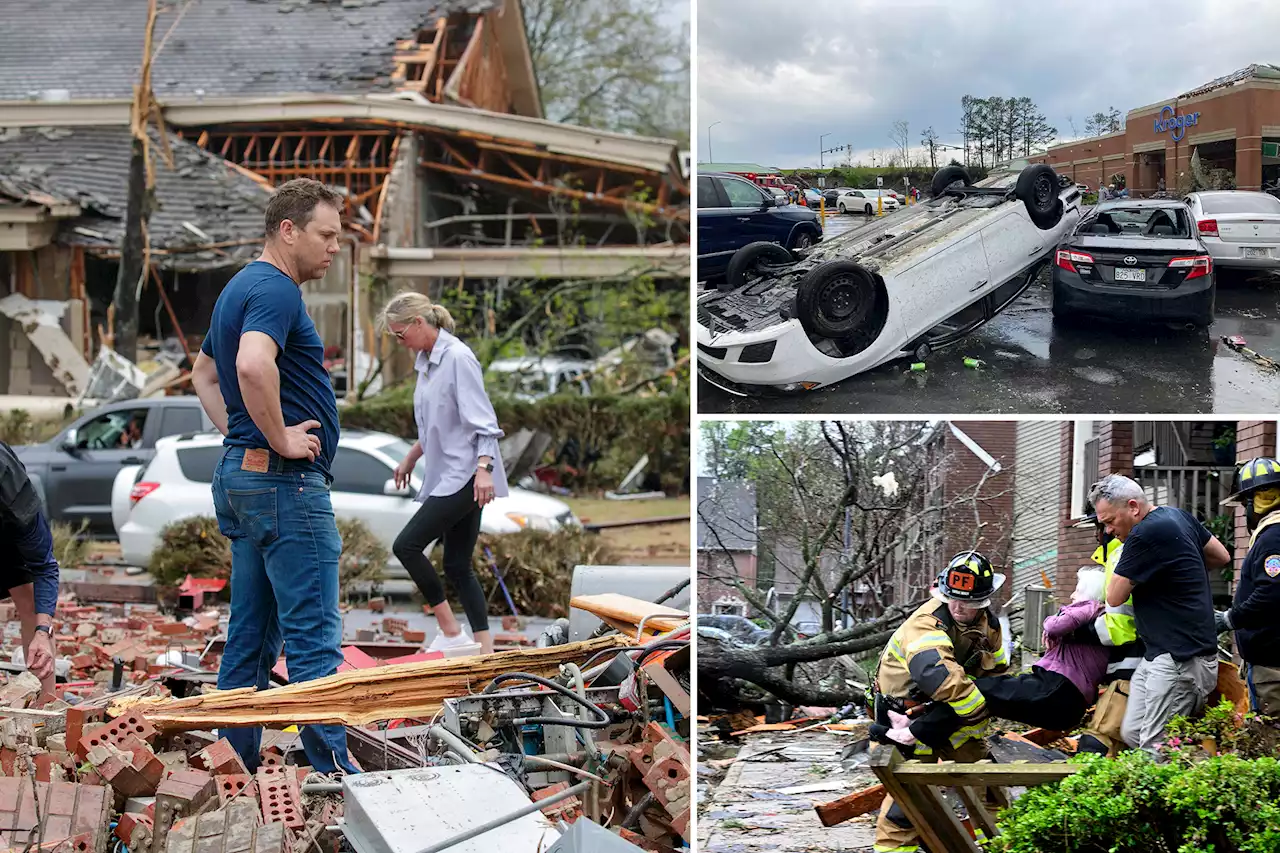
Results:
x,y
931,657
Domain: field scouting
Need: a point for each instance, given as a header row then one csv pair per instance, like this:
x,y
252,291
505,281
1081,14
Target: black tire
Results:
x,y
843,209
835,298
868,210
1037,188
1060,312
802,240
1205,320
751,258
945,177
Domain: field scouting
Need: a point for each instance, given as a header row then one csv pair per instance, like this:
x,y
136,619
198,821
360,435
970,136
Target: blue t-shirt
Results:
x,y
261,298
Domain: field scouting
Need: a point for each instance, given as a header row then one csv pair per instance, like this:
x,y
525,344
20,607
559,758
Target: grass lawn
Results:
x,y
658,544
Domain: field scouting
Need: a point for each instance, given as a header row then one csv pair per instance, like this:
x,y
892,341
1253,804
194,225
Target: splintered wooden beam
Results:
x,y
358,697
623,610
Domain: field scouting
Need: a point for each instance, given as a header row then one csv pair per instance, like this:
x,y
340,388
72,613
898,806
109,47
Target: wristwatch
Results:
x,y
48,629
485,466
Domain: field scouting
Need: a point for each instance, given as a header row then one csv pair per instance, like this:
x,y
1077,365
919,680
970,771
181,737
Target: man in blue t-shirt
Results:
x,y
1165,567
260,376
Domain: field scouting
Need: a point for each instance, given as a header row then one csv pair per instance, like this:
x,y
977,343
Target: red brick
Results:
x,y
568,809
67,808
413,636
170,629
393,625
377,604
221,758
280,796
115,732
128,821
145,761
233,784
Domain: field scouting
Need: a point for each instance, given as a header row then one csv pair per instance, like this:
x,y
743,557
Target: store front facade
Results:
x,y
1234,123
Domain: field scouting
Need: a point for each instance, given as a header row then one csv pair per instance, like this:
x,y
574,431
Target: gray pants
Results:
x,y
1162,689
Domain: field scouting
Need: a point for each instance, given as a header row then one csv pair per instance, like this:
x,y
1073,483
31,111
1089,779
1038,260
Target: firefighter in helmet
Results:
x,y
934,657
1257,600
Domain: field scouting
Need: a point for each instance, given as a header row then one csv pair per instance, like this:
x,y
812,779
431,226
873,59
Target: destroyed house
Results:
x,y
425,115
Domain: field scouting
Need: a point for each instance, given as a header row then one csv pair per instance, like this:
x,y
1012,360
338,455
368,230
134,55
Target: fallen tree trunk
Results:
x,y
358,697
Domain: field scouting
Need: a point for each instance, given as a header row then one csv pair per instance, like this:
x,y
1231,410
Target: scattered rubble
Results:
x,y
126,750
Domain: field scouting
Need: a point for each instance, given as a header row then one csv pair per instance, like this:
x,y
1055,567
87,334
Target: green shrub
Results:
x,y
71,545
619,428
537,566
1134,805
190,546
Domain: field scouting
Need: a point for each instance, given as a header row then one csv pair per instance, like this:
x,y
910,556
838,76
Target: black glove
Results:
x,y
1085,635
1222,621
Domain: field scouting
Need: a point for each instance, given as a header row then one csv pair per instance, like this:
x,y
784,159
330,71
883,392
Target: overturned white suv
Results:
x,y
905,285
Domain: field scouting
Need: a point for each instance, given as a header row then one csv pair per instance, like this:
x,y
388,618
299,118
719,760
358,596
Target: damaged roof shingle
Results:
x,y
219,48
90,166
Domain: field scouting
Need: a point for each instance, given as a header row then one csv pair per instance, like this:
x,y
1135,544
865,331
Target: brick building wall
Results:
x,y
713,566
995,498
1075,546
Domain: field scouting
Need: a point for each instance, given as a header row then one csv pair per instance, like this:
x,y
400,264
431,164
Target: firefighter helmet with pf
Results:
x,y
1260,473
968,578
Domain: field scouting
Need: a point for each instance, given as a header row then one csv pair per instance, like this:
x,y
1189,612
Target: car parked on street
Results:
x,y
733,212
1135,259
176,484
904,285
73,472
864,201
832,194
1240,230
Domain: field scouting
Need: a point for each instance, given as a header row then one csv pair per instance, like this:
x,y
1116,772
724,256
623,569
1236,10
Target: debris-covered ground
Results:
x,y
127,752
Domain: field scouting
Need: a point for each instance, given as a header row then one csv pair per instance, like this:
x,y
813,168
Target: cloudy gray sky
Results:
x,y
776,75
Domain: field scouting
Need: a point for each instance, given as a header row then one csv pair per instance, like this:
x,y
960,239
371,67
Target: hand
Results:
x,y
1221,621
40,656
403,471
298,443
484,487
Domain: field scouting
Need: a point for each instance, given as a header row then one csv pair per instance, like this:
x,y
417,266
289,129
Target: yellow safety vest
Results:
x,y
1116,625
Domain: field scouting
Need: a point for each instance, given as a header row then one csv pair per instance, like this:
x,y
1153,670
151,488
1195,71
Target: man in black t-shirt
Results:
x,y
1164,566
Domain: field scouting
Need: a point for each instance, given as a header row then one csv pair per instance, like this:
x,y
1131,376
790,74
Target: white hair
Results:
x,y
1117,489
1089,585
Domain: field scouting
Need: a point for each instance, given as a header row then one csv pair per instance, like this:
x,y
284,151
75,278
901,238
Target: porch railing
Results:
x,y
1199,490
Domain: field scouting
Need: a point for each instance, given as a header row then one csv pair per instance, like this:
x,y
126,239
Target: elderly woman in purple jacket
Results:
x,y
458,442
1055,694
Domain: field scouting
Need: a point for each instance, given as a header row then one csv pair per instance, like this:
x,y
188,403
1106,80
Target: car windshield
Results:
x,y
398,449
1171,221
1240,203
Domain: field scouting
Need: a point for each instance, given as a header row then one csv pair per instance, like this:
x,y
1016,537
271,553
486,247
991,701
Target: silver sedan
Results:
x,y
1240,229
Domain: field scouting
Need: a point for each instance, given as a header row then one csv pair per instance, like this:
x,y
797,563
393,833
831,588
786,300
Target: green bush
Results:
x,y
620,428
1134,805
190,546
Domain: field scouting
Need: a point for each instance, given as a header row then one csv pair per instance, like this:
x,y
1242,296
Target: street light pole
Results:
x,y
820,138
710,157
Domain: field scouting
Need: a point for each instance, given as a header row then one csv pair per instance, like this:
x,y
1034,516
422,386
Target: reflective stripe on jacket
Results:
x,y
932,657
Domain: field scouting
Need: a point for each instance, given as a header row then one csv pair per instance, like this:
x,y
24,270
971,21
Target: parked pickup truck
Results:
x,y
903,286
74,471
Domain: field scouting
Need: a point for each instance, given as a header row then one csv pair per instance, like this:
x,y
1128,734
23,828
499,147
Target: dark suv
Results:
x,y
75,470
733,212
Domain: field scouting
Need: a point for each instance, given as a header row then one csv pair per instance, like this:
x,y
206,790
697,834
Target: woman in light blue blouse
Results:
x,y
458,440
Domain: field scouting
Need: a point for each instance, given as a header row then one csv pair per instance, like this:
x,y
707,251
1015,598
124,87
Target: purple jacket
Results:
x,y
1083,664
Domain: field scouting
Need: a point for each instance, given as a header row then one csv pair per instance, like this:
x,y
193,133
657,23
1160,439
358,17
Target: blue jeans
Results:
x,y
284,590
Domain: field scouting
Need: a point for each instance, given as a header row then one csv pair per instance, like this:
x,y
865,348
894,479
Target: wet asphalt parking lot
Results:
x,y
1032,365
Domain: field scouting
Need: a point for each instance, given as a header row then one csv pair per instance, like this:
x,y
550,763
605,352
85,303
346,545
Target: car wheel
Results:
x,y
835,298
843,209
1059,311
753,261
1206,320
1037,188
868,211
945,177
803,240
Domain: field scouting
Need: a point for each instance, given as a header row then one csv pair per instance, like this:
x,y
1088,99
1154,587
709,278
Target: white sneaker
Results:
x,y
442,643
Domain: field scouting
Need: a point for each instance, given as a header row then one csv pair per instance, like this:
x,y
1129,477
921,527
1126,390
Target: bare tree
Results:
x,y
901,136
929,139
849,519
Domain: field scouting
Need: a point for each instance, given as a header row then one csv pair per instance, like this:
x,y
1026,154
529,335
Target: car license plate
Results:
x,y
1257,253
1130,274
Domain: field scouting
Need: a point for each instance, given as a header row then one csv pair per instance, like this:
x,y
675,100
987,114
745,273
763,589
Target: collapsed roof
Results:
x,y
1256,71
217,48
202,201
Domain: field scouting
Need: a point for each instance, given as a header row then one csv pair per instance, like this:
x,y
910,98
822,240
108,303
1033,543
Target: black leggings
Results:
x,y
455,520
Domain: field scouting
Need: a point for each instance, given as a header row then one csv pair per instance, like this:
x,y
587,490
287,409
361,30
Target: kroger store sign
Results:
x,y
1178,124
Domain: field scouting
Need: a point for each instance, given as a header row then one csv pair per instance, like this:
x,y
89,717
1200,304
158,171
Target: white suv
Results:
x,y
177,485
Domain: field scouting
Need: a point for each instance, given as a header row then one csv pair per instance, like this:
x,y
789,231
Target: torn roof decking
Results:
x,y
90,166
219,48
